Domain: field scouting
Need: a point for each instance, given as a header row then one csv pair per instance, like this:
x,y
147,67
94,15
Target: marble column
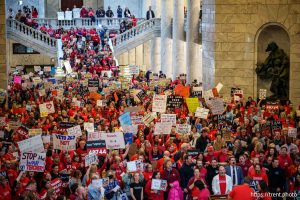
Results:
x,y
193,55
146,55
155,43
139,55
166,37
125,58
179,66
3,64
131,57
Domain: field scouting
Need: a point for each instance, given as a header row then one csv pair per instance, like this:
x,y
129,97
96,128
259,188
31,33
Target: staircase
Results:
x,y
136,36
31,37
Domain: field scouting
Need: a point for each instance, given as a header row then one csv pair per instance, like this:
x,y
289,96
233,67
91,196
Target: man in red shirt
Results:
x,y
284,158
222,183
243,191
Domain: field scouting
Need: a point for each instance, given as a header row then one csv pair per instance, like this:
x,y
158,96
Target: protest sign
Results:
x,y
34,132
90,159
262,93
89,127
202,113
276,126
33,144
168,118
2,121
42,92
137,120
292,132
95,135
128,137
222,122
183,128
148,119
134,166
96,146
159,184
125,119
76,131
232,91
93,83
193,152
46,139
193,104
133,69
114,140
47,107
197,91
37,68
47,69
68,67
100,103
60,15
174,101
141,95
219,87
272,106
207,95
182,90
217,106
22,132
76,13
159,103
64,142
68,15
56,185
14,124
32,161
162,128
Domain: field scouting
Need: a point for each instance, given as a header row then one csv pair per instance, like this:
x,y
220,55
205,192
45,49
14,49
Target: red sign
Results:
x,y
56,185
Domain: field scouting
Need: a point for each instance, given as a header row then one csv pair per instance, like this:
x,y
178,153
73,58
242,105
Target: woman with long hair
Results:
x,y
154,194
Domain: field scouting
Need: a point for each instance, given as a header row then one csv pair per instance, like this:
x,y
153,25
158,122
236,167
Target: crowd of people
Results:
x,y
248,150
26,16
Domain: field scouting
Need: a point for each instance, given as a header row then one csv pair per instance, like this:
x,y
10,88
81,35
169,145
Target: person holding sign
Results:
x,y
170,174
136,188
154,194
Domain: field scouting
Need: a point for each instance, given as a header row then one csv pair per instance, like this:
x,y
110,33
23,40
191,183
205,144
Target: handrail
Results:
x,y
31,32
138,30
110,23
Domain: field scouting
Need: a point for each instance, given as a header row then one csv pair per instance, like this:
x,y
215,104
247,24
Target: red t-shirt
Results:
x,y
242,192
222,184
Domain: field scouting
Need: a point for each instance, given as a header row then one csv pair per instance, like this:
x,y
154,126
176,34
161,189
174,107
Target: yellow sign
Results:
x,y
193,104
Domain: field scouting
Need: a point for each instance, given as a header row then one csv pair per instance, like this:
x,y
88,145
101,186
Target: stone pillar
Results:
x,y
179,66
139,55
131,57
155,43
146,55
192,41
166,37
3,66
125,58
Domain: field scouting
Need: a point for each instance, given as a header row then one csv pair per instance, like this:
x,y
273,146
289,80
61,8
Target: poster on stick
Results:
x,y
168,118
159,184
90,159
34,162
64,142
114,140
33,144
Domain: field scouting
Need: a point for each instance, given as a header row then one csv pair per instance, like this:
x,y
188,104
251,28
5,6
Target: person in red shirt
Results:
x,y
284,158
148,172
258,175
221,183
5,190
194,191
170,174
243,191
154,194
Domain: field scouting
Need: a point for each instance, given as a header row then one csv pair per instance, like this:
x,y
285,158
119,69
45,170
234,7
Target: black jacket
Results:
x,y
100,13
148,14
202,142
186,172
109,13
276,177
211,173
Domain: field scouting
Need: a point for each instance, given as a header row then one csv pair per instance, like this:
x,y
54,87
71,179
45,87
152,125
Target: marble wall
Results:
x,y
230,30
3,76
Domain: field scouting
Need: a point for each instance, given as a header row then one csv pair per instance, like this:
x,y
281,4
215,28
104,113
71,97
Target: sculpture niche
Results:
x,y
276,69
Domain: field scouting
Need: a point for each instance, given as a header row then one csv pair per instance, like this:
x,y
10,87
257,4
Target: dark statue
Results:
x,y
276,69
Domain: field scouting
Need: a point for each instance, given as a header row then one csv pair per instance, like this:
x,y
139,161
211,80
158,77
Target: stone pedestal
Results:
x,y
3,67
179,66
193,56
230,34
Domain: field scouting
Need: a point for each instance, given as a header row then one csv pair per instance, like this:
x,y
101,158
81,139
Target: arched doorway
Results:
x,y
70,4
273,77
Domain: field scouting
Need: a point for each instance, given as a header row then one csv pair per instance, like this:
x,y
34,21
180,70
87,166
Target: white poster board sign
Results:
x,y
68,15
159,103
262,93
33,144
292,132
114,140
162,128
32,162
90,159
183,128
89,127
76,130
76,13
64,142
159,184
60,15
217,106
168,118
202,113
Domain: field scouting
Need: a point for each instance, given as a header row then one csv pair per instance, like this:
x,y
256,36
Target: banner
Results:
x,y
33,144
183,128
168,118
34,132
217,106
114,140
90,159
96,146
32,162
202,113
162,128
292,132
76,131
272,106
64,142
159,103
159,184
89,127
135,166
192,104
262,93
174,101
